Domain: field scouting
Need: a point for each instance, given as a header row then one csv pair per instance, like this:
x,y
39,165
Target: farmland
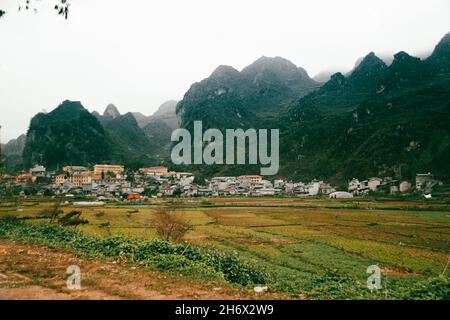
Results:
x,y
299,248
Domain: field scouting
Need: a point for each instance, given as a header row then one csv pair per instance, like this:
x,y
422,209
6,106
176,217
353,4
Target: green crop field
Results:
x,y
307,248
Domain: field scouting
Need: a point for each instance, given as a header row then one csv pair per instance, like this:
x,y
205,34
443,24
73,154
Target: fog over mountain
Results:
x,y
137,58
378,119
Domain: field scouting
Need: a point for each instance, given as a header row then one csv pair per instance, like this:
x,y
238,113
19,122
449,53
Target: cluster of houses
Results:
x,y
255,185
109,180
424,184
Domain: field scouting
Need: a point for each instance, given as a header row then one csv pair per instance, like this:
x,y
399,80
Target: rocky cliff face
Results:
x,y
67,135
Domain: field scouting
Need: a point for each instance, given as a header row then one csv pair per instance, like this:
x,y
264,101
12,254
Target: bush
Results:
x,y
169,225
437,288
73,218
186,267
191,260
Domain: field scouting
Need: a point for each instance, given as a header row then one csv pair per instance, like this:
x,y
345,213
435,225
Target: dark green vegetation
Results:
x,y
67,135
315,248
70,135
379,120
12,154
127,140
233,99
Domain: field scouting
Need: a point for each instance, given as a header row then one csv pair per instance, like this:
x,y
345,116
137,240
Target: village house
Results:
x,y
289,188
374,183
75,179
60,179
154,171
104,169
405,186
265,192
24,177
354,185
300,189
166,189
314,187
80,179
388,185
74,169
279,184
181,175
253,178
326,188
38,170
424,180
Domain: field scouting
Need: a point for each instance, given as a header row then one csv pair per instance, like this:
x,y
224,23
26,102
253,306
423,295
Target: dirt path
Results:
x,y
36,272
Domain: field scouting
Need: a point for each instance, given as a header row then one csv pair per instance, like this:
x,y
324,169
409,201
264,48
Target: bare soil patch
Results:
x,y
36,272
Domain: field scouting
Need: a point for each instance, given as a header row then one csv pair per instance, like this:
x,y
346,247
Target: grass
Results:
x,y
318,248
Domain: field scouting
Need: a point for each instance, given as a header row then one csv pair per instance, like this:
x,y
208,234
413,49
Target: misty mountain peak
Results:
x,y
403,58
283,68
224,71
165,113
337,81
442,50
70,105
111,111
370,62
167,108
67,109
369,72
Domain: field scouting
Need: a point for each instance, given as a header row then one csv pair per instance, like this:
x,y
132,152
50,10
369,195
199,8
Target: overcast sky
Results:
x,y
139,53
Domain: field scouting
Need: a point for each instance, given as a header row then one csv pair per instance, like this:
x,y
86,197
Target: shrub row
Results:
x,y
160,254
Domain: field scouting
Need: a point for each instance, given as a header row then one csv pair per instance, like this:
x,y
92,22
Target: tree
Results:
x,y
56,216
73,218
170,226
62,7
53,213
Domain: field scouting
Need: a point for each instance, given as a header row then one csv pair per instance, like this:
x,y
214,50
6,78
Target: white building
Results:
x,y
374,183
341,195
38,169
314,188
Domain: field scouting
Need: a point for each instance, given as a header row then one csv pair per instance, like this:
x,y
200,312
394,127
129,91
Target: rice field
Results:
x,y
304,243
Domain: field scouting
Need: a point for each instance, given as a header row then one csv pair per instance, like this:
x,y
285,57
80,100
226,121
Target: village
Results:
x,y
106,181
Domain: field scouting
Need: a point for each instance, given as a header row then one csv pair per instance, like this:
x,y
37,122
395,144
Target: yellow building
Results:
x,y
105,168
76,179
252,177
153,171
60,179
